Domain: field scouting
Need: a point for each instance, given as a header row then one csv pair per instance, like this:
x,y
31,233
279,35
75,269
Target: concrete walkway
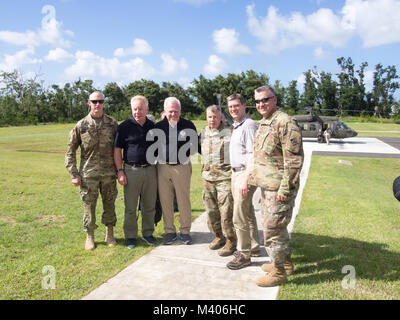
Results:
x,y
180,272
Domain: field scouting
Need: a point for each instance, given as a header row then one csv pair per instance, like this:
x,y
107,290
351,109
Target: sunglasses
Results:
x,y
264,100
97,101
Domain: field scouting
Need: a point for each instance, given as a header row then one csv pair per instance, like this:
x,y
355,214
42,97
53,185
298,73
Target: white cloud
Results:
x,y
11,62
29,38
58,55
377,22
277,32
51,32
320,53
172,66
140,47
227,42
215,66
87,64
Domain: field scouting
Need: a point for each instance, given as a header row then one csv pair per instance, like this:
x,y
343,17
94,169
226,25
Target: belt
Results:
x,y
238,169
173,164
137,165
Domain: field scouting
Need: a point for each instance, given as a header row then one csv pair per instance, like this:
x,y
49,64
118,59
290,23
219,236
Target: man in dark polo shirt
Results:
x,y
138,177
175,170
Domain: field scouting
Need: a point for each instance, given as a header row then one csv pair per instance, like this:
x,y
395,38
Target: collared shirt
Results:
x,y
131,137
95,138
183,135
215,152
242,140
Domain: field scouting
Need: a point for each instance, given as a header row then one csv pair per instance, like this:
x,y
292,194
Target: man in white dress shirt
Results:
x,y
240,149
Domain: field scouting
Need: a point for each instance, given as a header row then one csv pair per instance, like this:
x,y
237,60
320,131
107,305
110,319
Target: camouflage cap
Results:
x,y
396,188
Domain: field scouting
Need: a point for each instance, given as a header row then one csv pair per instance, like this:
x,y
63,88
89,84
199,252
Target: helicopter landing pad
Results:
x,y
357,146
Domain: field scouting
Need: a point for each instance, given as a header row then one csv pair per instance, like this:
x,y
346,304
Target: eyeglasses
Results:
x,y
97,101
264,100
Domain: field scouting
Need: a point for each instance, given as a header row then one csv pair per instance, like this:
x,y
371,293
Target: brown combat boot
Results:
x,y
89,244
238,262
228,249
289,268
218,242
110,240
276,277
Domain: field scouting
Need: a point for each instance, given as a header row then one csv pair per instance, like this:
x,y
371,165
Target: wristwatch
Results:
x,y
120,169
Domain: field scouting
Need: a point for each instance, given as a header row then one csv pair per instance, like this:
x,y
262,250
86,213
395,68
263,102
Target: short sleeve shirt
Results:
x,y
131,138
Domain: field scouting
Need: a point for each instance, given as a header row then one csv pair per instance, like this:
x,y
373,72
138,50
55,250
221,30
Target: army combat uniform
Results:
x,y
216,174
97,171
278,159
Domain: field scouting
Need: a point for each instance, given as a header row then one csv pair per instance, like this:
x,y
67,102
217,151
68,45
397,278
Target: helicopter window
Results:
x,y
344,125
313,127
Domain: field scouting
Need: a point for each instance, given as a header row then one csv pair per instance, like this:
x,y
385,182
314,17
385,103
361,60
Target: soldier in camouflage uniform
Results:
x,y
278,159
95,135
216,174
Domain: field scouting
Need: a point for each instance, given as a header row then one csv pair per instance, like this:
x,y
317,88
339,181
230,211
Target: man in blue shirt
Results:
x,y
138,176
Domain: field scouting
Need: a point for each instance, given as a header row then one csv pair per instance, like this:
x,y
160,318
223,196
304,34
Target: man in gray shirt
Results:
x,y
240,149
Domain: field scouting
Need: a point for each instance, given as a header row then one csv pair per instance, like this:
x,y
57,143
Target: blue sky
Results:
x,y
177,40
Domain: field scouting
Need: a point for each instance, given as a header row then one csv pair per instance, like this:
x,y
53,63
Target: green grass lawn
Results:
x,y
366,129
348,216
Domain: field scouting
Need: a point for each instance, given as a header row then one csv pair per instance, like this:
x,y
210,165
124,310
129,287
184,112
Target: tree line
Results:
x,y
28,101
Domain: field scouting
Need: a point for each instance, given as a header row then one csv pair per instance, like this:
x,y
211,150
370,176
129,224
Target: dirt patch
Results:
x,y
52,218
5,219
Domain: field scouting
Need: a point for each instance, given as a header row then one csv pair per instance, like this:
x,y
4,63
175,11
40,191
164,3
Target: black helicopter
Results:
x,y
312,125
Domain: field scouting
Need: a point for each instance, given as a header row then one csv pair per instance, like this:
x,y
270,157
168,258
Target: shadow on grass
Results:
x,y
321,258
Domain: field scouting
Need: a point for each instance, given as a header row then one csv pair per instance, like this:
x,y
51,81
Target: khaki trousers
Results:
x,y
170,178
244,218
